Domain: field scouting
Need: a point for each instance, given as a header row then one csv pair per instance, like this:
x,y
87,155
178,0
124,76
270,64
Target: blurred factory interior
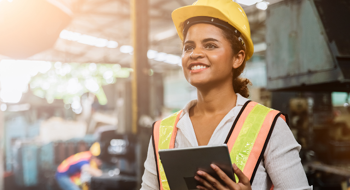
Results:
x,y
73,72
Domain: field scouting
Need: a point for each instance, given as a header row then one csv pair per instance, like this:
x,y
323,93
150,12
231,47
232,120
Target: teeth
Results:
x,y
198,67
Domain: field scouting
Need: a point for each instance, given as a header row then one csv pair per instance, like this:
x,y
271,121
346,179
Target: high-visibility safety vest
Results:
x,y
64,166
246,141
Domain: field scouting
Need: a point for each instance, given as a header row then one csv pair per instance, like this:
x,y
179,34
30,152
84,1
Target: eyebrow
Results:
x,y
210,39
203,41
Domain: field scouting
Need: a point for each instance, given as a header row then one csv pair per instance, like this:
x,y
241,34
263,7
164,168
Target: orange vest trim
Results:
x,y
64,166
155,139
253,116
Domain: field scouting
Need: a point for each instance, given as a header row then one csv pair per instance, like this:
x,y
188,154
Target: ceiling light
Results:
x,y
126,49
172,59
151,54
100,42
247,2
260,47
112,44
161,56
87,39
262,5
11,96
3,107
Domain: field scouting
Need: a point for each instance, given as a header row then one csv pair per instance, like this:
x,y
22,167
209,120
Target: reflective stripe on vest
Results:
x,y
164,133
246,141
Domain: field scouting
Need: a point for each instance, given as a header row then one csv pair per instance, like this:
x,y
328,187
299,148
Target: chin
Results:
x,y
199,84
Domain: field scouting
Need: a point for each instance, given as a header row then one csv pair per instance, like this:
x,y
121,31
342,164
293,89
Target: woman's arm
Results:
x,y
92,171
282,161
149,178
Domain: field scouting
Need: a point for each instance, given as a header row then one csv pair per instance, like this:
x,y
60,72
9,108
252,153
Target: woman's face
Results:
x,y
207,56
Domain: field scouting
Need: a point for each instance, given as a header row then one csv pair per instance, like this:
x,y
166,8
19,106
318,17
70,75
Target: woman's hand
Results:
x,y
210,183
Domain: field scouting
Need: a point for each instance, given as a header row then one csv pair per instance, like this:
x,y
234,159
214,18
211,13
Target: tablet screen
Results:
x,y
181,164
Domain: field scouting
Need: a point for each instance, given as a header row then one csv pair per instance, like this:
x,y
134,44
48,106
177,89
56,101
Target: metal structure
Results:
x,y
1,149
308,46
111,20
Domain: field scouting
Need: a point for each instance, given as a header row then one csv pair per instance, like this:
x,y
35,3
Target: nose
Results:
x,y
196,54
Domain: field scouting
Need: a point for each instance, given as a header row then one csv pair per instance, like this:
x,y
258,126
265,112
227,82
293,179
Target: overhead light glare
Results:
x,y
3,107
151,54
260,47
247,2
262,5
126,49
87,39
112,44
11,96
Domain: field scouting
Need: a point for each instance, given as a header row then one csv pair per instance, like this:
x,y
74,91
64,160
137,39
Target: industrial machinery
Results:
x,y
308,47
119,156
308,58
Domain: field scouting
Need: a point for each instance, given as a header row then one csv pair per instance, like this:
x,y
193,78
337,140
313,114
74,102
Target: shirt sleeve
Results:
x,y
150,178
282,160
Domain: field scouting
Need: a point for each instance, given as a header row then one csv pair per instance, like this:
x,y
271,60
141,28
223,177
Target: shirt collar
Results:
x,y
240,102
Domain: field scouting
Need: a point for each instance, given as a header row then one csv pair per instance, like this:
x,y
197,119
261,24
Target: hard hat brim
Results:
x,y
183,13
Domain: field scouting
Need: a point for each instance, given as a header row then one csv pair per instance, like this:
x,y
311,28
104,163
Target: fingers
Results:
x,y
228,181
209,182
205,184
242,178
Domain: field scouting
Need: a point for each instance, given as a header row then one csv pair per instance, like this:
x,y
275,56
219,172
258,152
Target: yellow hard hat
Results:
x,y
95,149
225,10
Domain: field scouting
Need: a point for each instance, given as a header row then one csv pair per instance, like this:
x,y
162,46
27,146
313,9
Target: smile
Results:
x,y
198,68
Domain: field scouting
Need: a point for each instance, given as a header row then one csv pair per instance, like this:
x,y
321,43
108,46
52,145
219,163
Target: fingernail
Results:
x,y
200,172
213,166
235,167
196,177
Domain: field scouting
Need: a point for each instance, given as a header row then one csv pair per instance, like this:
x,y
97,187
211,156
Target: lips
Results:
x,y
197,67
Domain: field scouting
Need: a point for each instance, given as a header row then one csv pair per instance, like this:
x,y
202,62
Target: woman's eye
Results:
x,y
188,48
210,46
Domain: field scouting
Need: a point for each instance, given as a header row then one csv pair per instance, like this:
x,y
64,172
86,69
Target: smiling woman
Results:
x,y
264,154
220,40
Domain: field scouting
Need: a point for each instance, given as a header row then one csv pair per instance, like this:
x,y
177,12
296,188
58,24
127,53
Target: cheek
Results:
x,y
221,59
185,58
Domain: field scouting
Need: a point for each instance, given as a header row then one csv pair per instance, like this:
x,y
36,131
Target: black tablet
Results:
x,y
181,164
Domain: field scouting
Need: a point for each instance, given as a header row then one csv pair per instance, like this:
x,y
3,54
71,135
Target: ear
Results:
x,y
238,59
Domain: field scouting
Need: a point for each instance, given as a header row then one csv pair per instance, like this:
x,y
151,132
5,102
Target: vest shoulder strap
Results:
x,y
249,135
163,137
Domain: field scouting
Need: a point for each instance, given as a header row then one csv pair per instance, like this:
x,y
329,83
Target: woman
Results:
x,y
216,46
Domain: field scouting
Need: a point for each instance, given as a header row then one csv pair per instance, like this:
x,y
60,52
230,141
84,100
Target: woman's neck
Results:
x,y
218,100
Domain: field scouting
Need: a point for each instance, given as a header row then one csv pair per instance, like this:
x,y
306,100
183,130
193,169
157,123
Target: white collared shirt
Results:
x,y
281,163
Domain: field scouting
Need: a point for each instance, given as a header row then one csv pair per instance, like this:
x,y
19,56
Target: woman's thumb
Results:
x,y
242,178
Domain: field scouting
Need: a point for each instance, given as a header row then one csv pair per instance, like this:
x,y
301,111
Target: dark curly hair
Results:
x,y
240,85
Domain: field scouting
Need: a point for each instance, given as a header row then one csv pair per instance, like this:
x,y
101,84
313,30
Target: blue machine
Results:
x,y
46,157
25,167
